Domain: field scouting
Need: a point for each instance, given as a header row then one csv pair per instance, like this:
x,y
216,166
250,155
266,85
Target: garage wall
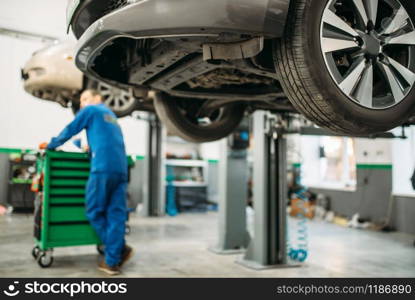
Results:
x,y
22,117
374,205
403,212
136,186
24,120
371,198
403,158
44,17
383,189
310,160
210,151
135,135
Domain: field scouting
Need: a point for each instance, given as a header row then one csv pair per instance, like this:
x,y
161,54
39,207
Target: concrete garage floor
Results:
x,y
177,247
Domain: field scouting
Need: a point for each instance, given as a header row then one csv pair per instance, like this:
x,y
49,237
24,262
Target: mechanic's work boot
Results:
x,y
127,253
102,266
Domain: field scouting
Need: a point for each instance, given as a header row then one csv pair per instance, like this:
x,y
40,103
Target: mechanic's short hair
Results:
x,y
93,92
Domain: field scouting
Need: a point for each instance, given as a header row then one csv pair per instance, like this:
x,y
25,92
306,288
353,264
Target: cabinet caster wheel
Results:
x,y
35,252
45,260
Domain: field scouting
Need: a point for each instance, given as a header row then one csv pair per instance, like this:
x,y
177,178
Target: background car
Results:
x,y
347,65
51,75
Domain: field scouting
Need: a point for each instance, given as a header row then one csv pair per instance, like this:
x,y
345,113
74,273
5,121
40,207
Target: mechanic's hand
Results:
x,y
43,146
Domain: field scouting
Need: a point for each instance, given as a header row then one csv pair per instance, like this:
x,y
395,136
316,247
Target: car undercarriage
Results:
x,y
177,67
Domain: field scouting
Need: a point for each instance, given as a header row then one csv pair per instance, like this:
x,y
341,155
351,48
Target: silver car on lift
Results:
x,y
347,65
51,74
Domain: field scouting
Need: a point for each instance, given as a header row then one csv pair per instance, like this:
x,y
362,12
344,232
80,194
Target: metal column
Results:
x,y
233,194
268,247
4,178
154,190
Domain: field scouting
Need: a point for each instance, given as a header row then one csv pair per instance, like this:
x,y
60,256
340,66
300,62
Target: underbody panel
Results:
x,y
169,46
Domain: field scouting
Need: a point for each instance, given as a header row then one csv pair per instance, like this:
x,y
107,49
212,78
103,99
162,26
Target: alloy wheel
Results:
x,y
369,50
119,100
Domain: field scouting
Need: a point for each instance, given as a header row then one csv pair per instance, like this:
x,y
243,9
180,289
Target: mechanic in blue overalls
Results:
x,y
107,185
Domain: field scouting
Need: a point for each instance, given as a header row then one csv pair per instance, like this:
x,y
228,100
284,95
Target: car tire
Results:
x,y
121,101
178,124
306,79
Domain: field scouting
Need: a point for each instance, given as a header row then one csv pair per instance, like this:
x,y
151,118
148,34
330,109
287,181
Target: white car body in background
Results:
x,y
51,74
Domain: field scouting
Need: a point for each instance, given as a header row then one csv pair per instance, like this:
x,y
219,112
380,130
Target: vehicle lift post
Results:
x,y
154,188
268,247
233,195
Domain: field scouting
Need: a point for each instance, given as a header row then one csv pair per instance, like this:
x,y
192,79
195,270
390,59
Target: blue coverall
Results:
x,y
107,184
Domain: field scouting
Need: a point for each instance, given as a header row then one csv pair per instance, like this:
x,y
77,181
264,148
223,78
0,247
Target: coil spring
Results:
x,y
301,252
171,208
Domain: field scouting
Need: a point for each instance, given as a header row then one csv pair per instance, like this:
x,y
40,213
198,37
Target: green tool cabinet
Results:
x,y
60,217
